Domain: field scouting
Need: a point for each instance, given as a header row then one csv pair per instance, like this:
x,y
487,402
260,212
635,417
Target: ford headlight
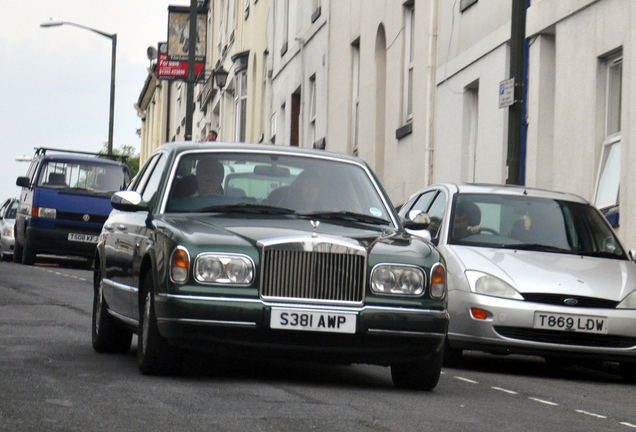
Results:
x,y
482,283
628,302
397,279
230,269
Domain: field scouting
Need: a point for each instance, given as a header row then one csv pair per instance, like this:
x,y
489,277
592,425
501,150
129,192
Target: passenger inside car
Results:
x,y
209,176
466,220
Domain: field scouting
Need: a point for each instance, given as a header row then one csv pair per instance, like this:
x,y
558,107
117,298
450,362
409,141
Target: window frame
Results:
x,y
607,186
409,60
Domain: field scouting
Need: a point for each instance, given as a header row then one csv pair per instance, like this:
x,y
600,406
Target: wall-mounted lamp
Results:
x,y
220,77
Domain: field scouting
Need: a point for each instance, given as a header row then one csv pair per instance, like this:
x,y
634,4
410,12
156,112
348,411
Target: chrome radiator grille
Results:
x,y
313,276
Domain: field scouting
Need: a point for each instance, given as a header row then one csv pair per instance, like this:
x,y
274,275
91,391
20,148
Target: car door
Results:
x,y
119,250
137,234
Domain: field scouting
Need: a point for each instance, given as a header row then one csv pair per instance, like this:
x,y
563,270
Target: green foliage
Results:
x,y
128,154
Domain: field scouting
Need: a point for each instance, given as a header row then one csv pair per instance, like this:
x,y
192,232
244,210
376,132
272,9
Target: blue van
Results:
x,y
64,202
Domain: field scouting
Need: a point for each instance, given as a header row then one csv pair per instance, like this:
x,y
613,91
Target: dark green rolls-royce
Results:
x,y
272,250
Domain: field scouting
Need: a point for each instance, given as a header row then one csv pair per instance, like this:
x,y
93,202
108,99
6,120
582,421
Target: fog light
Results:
x,y
479,314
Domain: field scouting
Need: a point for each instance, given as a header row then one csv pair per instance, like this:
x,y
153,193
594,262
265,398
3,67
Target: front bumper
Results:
x,y
509,329
55,241
7,245
384,335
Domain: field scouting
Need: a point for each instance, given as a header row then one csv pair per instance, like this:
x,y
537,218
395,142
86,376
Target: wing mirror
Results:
x,y
128,201
417,223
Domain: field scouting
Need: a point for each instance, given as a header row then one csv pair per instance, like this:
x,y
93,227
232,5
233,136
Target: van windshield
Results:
x,y
82,175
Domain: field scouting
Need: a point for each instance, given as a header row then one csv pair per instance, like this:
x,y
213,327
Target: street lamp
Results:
x,y
113,38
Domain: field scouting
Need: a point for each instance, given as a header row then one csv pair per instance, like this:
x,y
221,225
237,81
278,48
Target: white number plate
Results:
x,y
83,238
574,323
311,320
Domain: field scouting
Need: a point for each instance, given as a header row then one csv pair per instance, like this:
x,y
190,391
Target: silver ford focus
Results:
x,y
530,272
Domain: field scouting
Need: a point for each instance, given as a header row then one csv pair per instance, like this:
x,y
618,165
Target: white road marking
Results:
x,y
591,414
466,380
504,390
543,401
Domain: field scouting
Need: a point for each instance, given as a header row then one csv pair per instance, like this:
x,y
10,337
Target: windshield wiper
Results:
x,y
601,254
348,216
248,208
537,247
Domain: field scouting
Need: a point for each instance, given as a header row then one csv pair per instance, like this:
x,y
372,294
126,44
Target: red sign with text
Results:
x,y
170,69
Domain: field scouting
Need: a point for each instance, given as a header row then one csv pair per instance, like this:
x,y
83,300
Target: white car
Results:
x,y
530,272
7,222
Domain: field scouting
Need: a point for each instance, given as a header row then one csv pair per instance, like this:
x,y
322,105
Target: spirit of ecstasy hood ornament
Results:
x,y
315,224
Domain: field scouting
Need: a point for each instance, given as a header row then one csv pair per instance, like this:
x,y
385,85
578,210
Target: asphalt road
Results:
x,y
52,380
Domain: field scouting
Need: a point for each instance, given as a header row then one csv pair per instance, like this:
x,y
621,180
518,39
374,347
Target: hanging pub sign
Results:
x,y
172,56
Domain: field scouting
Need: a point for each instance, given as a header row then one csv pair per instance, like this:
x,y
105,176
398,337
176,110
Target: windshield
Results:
x,y
82,175
273,184
12,210
531,223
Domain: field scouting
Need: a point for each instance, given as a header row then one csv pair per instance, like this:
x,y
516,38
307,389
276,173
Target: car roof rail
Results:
x,y
41,151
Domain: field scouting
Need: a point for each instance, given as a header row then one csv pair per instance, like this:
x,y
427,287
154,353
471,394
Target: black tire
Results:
x,y
419,375
108,335
628,372
452,356
28,255
154,355
17,252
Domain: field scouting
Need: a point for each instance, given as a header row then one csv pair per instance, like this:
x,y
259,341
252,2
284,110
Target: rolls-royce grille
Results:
x,y
311,276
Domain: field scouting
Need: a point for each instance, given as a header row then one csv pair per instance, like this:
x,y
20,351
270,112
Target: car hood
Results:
x,y
247,232
545,272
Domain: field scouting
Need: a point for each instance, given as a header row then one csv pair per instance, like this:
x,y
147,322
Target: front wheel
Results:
x,y
154,355
28,255
452,356
418,375
108,335
17,251
628,372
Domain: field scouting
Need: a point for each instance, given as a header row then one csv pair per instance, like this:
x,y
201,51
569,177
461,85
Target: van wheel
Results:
x,y
17,252
28,255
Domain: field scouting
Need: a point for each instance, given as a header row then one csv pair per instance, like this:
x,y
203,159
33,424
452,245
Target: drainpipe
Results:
x,y
516,110
431,91
524,107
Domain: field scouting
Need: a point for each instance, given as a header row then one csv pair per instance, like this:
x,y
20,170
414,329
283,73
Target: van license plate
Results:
x,y
83,238
313,320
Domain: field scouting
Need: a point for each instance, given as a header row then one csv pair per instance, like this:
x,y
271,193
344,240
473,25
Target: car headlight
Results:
x,y
7,231
397,279
482,283
628,302
230,269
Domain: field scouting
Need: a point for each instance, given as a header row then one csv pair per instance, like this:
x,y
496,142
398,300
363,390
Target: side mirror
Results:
x,y
23,181
128,201
632,254
417,223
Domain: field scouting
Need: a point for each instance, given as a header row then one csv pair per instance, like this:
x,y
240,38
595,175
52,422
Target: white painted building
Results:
x,y
580,104
413,88
381,88
473,58
298,72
